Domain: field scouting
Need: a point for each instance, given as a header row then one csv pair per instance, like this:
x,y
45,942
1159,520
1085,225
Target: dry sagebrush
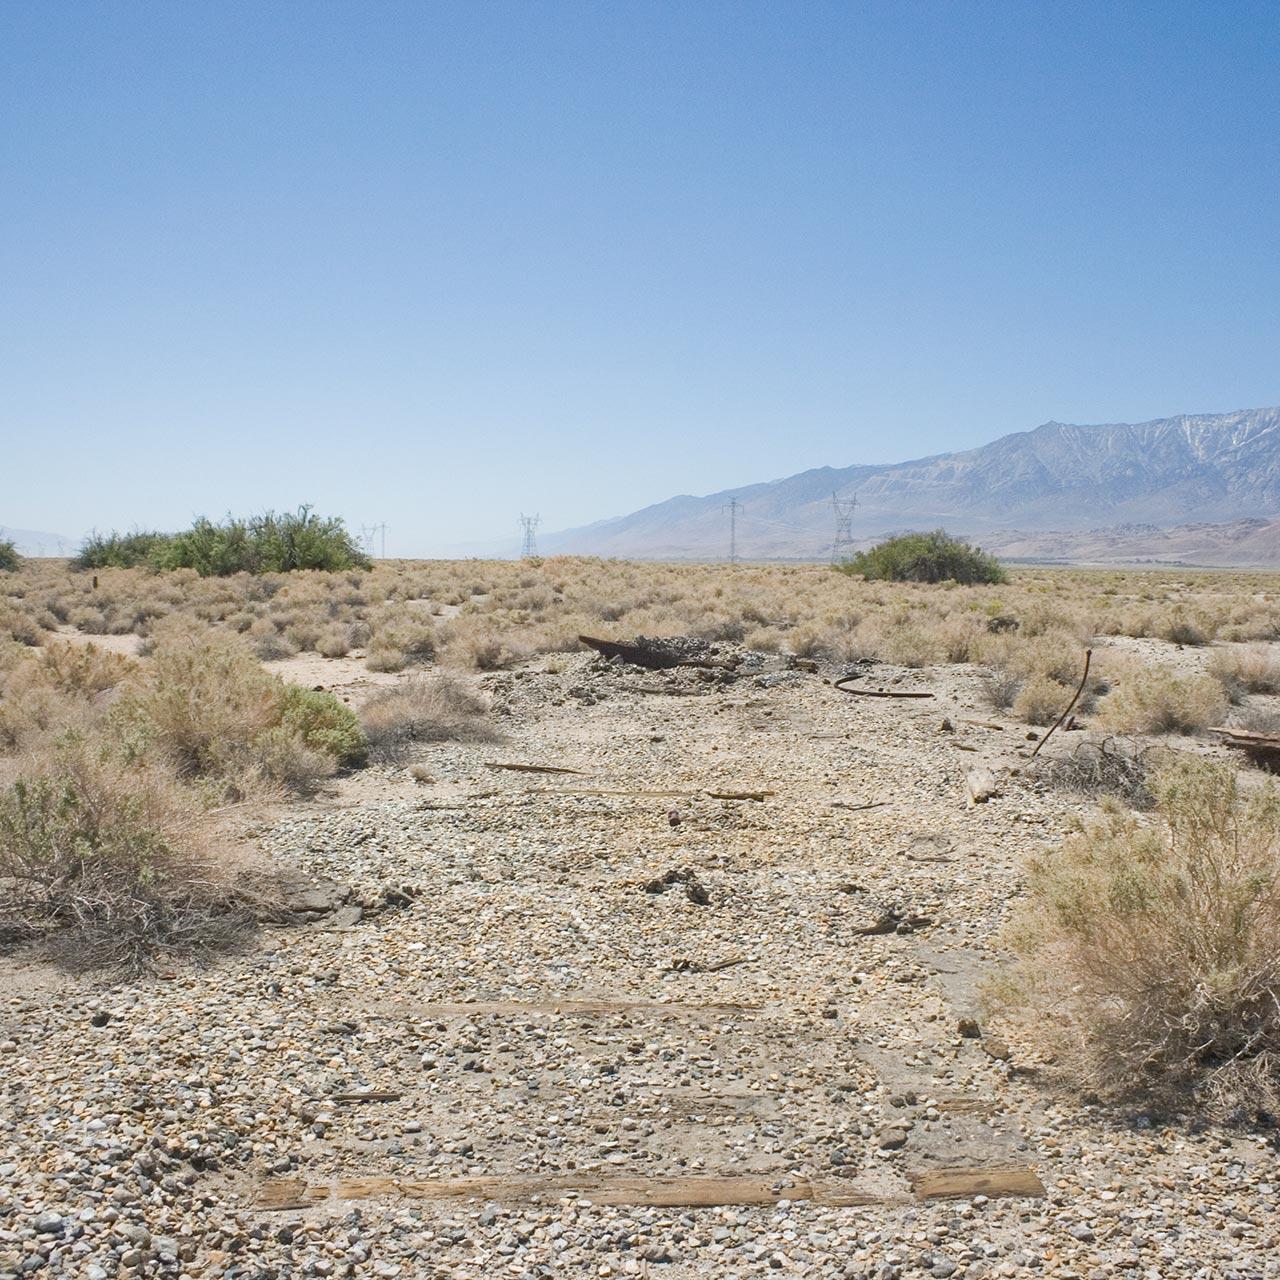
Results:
x,y
423,709
1149,950
109,861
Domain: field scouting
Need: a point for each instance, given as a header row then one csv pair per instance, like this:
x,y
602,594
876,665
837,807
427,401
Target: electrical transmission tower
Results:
x,y
367,534
843,541
733,506
530,526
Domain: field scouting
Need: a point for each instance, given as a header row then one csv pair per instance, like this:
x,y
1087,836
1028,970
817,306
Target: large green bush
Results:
x,y
926,557
139,549
267,543
9,558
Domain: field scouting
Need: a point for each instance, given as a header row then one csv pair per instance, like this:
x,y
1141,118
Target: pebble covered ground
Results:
x,y
606,975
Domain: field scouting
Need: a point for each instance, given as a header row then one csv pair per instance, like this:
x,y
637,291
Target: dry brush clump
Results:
x,y
112,775
435,708
1244,669
1114,766
106,860
1156,700
1149,949
218,716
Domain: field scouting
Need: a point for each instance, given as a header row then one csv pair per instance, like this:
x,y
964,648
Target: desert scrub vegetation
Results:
x,y
1244,669
138,549
1156,700
474,615
108,861
926,557
10,560
423,709
1149,949
113,774
207,704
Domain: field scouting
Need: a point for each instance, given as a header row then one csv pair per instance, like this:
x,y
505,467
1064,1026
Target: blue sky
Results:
x,y
435,264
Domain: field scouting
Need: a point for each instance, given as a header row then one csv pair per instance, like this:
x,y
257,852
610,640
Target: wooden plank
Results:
x,y
558,1008
658,1190
961,1183
679,1191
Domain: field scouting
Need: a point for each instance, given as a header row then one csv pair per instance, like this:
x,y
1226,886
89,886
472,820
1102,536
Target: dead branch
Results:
x,y
1088,656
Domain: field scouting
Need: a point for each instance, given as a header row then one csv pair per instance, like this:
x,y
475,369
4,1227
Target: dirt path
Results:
x,y
599,1023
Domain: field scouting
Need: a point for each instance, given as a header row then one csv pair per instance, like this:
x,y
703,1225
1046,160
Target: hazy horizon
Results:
x,y
435,265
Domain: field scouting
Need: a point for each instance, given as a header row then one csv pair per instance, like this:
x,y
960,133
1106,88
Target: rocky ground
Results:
x,y
597,1022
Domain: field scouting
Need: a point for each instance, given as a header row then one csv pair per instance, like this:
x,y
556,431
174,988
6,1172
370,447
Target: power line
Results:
x,y
530,526
844,509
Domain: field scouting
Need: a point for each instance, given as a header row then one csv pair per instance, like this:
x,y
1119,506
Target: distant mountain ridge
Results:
x,y
1193,468
34,542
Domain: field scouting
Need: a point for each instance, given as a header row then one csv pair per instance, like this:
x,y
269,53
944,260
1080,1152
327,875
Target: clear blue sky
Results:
x,y
436,263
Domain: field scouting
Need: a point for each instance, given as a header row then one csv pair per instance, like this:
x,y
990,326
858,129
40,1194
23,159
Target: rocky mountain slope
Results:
x,y
1203,468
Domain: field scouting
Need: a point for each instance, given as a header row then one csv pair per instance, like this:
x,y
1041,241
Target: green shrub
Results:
x,y
926,557
1150,951
324,723
9,557
139,549
267,543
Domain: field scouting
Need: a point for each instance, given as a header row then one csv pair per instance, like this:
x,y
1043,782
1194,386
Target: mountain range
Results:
x,y
35,542
1187,471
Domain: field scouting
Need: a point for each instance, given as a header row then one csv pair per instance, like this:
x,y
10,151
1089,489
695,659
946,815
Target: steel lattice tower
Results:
x,y
530,526
843,540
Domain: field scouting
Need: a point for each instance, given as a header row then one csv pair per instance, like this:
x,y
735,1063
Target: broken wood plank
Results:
x,y
858,808
678,1191
670,1191
600,791
529,768
674,691
984,724
758,796
367,1095
961,1183
1262,748
682,964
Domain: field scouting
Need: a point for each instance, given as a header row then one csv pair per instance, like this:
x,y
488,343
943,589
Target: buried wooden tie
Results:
x,y
961,1183
669,1191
